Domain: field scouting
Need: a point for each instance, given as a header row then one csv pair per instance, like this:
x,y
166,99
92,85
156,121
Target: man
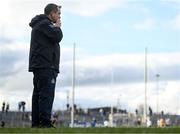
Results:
x,y
44,60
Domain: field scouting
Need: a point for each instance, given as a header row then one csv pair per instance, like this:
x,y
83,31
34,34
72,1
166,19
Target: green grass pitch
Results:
x,y
90,130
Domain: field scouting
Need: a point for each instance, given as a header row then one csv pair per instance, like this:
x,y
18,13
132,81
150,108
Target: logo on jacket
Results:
x,y
53,81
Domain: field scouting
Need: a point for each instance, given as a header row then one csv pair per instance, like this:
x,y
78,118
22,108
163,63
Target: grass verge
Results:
x,y
90,130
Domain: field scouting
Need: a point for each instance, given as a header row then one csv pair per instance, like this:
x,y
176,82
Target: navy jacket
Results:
x,y
44,47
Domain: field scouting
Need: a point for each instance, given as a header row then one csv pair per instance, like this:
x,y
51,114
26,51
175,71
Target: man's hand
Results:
x,y
58,23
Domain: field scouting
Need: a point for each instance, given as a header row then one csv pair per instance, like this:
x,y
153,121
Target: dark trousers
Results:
x,y
44,82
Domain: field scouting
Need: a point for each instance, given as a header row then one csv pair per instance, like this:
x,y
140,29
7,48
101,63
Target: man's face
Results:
x,y
56,15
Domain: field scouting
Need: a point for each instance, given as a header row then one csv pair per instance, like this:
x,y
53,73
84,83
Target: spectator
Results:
x,y
7,108
3,107
136,111
168,122
2,124
93,124
150,111
19,106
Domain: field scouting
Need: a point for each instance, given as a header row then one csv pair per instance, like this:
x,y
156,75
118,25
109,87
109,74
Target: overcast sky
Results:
x,y
110,37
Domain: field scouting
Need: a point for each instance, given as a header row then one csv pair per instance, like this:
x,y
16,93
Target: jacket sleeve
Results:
x,y
52,32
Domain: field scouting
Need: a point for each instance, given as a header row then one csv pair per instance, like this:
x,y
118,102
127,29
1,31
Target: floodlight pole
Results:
x,y
67,99
73,86
157,105
112,86
145,88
